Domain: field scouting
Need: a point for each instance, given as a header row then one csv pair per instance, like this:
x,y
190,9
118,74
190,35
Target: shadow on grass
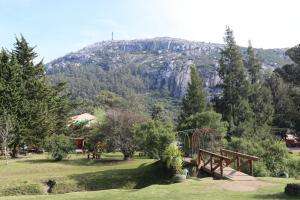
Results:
x,y
136,178
80,162
279,195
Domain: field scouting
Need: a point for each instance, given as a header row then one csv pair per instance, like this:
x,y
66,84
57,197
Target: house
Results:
x,y
83,118
76,121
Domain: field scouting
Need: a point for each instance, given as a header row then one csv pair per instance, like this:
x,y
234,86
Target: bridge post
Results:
x,y
238,163
199,159
211,164
251,166
221,166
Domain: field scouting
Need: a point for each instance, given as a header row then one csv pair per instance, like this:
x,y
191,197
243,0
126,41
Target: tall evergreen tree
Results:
x,y
253,65
236,88
290,73
11,98
36,118
194,100
38,109
261,97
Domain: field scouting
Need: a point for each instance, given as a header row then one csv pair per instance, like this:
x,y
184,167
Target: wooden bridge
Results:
x,y
218,165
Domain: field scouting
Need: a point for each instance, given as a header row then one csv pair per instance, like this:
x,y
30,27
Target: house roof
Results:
x,y
83,117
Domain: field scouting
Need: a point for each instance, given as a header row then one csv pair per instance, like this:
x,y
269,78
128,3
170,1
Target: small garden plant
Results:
x,y
173,158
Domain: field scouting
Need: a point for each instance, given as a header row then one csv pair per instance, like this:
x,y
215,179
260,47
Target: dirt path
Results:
x,y
294,149
243,186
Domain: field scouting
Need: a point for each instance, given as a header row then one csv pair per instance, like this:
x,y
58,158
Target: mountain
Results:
x,y
154,67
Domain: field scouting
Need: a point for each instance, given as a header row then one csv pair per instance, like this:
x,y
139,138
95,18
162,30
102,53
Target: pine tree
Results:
x,y
261,97
38,109
11,99
290,73
36,117
253,65
194,100
236,88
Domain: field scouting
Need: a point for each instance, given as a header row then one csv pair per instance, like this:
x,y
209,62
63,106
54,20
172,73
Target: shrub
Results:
x,y
276,157
62,187
59,146
260,169
293,167
173,158
292,189
153,137
25,189
273,154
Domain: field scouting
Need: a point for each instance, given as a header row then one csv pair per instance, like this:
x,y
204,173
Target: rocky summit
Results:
x,y
159,65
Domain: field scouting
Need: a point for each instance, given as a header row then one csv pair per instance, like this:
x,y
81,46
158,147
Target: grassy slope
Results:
x,y
190,189
117,180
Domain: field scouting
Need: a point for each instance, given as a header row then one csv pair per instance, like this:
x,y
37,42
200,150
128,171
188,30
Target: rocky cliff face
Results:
x,y
159,64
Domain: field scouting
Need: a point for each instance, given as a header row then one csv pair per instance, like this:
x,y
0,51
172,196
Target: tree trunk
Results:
x,y
5,155
127,157
14,152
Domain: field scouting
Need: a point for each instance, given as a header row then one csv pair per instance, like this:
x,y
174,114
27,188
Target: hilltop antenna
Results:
x,y
112,36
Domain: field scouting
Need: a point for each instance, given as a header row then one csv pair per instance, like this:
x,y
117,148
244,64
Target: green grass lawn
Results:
x,y
113,179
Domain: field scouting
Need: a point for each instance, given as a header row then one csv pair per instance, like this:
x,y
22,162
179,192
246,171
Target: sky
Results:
x,y
57,27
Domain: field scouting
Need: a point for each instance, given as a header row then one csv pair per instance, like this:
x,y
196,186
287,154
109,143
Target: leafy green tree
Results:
x,y
110,99
207,119
154,136
194,100
235,107
96,135
119,131
159,112
59,146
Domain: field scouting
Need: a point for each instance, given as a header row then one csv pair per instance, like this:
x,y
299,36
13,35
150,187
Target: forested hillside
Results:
x,y
144,70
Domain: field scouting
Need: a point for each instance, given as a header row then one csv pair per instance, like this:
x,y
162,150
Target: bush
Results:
x,y
25,189
153,137
59,146
276,157
292,189
293,167
273,154
62,187
260,169
173,158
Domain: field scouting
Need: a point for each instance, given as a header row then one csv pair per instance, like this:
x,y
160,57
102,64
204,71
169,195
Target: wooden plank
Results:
x,y
233,153
229,173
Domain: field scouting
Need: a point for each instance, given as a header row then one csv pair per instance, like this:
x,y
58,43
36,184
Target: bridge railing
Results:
x,y
238,158
214,161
